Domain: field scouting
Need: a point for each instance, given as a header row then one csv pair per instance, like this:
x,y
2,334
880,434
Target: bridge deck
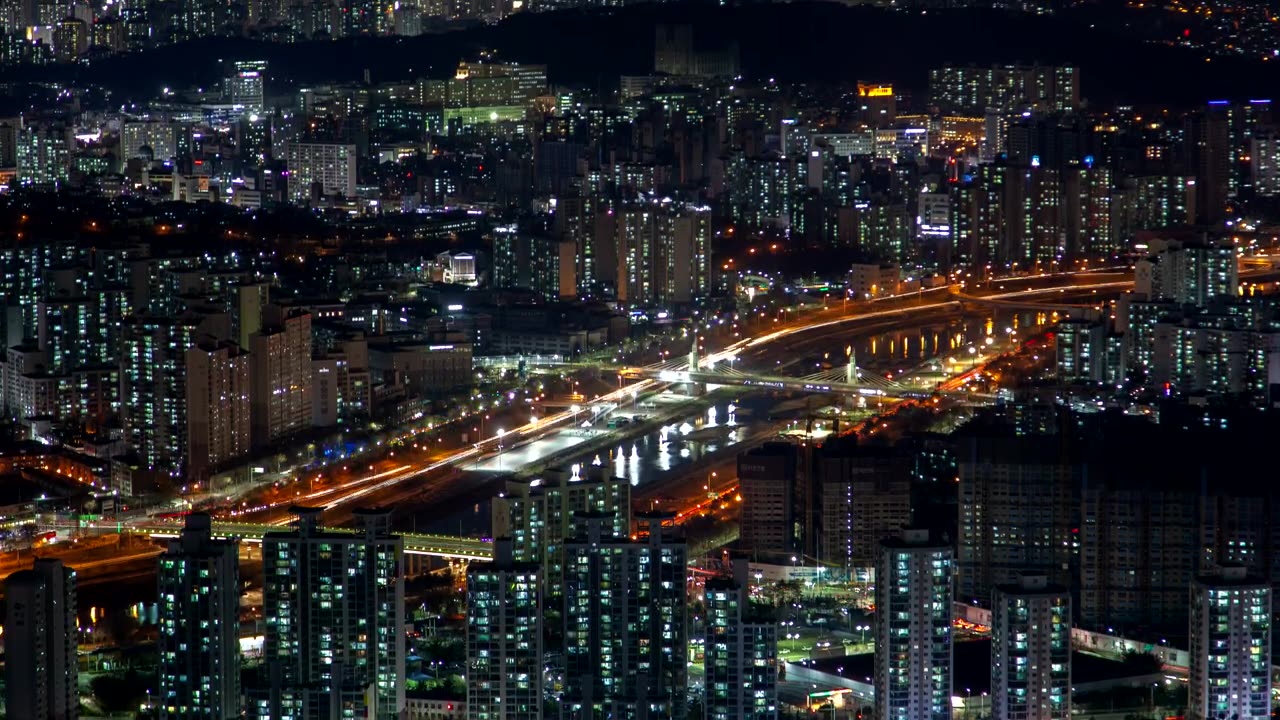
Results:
x,y
446,546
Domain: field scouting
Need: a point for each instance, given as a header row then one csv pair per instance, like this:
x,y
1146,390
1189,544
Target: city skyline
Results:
x,y
631,361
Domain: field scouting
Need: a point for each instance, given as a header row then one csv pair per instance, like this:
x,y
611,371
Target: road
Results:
x,y
405,472
426,473
416,473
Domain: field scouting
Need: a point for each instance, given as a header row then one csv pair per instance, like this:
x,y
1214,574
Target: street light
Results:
x,y
501,432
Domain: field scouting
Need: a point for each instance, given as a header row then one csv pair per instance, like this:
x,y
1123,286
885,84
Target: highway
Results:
x,y
445,546
426,475
443,468
404,474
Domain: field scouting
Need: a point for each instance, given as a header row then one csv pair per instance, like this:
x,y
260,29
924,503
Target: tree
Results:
x,y
1141,663
121,627
122,693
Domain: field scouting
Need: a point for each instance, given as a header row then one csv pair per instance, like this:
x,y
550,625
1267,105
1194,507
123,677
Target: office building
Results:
x,y
244,87
741,647
504,638
280,355
199,619
41,673
422,370
1230,630
333,604
913,628
320,170
1031,650
877,104
459,268
625,621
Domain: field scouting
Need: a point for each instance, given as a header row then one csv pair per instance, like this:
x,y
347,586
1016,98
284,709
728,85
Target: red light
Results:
x,y
481,168
1186,32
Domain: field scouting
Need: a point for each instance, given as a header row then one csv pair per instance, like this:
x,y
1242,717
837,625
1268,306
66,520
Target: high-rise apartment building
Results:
x,y
280,355
1031,650
155,381
545,265
866,497
1005,88
625,622
333,604
663,252
67,324
44,154
1230,646
767,483
539,517
913,628
741,652
1265,154
1016,510
1079,351
1189,272
199,620
504,638
326,169
217,405
41,671
1207,136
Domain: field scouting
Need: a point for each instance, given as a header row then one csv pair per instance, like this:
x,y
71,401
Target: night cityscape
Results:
x,y
599,360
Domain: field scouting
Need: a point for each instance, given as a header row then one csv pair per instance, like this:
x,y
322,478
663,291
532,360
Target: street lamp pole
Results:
x,y
501,432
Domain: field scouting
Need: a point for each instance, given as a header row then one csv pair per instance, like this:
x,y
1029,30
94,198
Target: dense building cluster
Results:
x,y
216,294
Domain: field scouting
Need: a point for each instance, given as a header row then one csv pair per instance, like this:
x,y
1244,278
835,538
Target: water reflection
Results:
x,y
685,440
904,349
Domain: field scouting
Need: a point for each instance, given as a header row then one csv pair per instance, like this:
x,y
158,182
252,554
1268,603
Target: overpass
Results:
x,y
1015,300
512,362
441,546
